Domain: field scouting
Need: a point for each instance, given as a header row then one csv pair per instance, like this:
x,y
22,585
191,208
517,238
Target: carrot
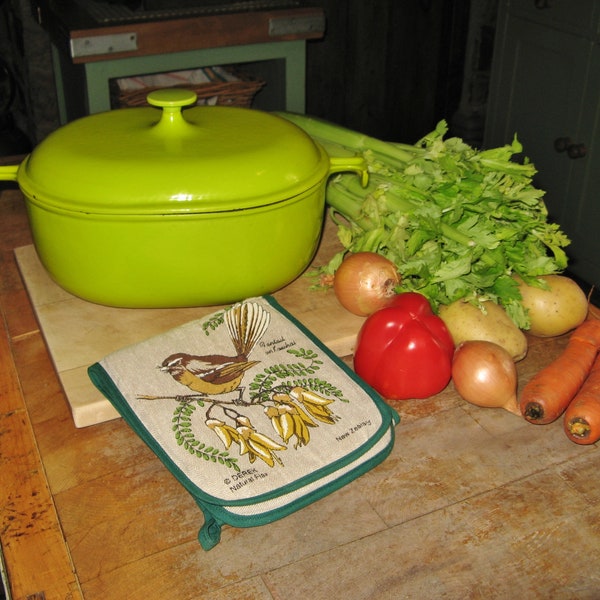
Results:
x,y
582,417
550,391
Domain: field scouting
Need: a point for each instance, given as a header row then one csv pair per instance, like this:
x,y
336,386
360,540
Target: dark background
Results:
x,y
389,68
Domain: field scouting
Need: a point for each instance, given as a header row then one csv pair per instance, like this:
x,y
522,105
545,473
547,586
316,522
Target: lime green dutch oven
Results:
x,y
172,205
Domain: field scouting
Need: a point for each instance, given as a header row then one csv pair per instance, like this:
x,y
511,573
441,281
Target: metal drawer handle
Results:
x,y
573,150
576,150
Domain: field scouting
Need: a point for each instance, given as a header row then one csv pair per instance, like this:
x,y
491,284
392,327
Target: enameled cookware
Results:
x,y
175,205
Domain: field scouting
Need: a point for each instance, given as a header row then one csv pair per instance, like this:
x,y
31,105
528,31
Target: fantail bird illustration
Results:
x,y
214,374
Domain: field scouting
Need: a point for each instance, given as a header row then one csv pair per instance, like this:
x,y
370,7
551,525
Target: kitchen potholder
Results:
x,y
250,411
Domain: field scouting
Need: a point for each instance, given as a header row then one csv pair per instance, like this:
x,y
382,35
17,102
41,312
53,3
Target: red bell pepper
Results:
x,y
404,350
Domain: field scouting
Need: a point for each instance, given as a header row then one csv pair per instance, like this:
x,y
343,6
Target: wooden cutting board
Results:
x,y
79,333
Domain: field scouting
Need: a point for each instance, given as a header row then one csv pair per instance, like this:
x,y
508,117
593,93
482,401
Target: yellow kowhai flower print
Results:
x,y
315,404
288,420
226,433
256,444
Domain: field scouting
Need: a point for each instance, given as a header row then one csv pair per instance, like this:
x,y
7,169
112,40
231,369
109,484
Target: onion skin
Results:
x,y
484,374
366,282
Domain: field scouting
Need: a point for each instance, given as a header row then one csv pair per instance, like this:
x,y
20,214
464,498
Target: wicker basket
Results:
x,y
239,92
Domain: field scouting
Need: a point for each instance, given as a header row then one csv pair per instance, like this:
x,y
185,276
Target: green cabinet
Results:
x,y
545,87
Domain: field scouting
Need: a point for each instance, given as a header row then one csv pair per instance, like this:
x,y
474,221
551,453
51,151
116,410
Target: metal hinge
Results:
x,y
308,24
103,44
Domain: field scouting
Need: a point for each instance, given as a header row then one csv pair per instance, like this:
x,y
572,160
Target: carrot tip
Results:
x,y
533,411
579,428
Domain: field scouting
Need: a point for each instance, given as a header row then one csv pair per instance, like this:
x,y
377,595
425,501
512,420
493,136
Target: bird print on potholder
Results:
x,y
288,396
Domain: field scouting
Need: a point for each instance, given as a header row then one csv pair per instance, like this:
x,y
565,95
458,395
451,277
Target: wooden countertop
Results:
x,y
472,502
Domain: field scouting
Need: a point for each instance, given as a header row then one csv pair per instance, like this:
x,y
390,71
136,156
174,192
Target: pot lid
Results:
x,y
172,158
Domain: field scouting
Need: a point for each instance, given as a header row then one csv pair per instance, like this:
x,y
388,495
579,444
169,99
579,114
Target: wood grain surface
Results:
x,y
471,503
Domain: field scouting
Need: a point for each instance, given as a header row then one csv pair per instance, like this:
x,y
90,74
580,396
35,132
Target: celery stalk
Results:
x,y
330,132
457,222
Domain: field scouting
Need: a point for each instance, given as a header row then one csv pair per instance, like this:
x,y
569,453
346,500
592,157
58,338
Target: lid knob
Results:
x,y
172,100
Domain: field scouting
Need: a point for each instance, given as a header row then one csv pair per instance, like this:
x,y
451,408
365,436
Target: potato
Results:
x,y
468,322
556,310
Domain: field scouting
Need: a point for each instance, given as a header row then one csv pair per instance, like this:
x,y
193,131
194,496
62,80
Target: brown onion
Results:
x,y
484,374
365,282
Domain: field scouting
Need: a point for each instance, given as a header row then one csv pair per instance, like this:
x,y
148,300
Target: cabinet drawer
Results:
x,y
577,16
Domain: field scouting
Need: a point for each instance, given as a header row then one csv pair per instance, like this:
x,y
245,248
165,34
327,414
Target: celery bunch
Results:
x,y
458,222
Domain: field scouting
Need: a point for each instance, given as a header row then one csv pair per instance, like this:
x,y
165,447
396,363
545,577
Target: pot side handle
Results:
x,y
9,173
354,164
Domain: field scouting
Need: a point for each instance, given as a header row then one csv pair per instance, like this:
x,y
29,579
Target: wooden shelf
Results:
x,y
185,34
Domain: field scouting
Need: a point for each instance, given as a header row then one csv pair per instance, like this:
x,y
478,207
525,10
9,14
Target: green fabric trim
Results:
x,y
215,512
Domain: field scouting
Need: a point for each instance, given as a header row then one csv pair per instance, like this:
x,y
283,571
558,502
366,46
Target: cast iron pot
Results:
x,y
168,206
